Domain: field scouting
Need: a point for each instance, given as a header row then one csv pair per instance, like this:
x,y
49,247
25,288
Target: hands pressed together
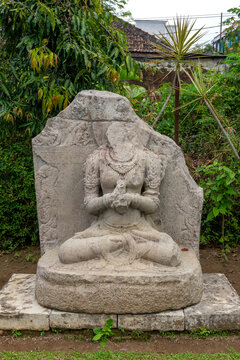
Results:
x,y
120,202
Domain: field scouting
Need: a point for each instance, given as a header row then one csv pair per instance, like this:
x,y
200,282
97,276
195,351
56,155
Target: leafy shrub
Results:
x,y
221,211
18,217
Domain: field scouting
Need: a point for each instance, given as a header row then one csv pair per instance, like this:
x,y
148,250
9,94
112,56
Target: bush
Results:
x,y
221,211
18,215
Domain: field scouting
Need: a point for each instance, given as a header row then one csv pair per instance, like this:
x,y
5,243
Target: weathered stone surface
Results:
x,y
19,309
165,321
59,181
121,187
96,287
129,258
66,320
60,152
219,307
180,198
92,105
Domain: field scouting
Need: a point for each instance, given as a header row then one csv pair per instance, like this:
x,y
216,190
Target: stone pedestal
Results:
x,y
137,288
218,309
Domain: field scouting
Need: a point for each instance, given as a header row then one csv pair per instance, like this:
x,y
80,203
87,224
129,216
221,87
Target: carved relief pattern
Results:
x,y
80,134
48,136
155,171
65,133
91,178
46,180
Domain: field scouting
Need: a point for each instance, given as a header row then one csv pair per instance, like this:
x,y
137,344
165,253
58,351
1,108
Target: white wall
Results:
x,y
151,26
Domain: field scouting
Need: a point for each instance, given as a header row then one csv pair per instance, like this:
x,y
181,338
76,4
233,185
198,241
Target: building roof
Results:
x,y
140,43
139,40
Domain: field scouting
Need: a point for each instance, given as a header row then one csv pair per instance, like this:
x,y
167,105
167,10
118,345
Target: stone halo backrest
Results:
x,y
60,152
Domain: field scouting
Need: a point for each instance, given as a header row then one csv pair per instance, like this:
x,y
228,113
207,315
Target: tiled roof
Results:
x,y
139,40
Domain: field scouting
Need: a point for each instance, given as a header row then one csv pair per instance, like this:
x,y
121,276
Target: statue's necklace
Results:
x,y
121,167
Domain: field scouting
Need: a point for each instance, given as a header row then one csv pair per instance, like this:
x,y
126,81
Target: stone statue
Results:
x,y
122,188
119,214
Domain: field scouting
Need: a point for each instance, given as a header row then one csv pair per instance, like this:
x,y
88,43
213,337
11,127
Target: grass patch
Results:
x,y
200,333
109,355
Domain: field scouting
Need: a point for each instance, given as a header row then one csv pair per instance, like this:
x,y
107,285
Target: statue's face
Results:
x,y
121,133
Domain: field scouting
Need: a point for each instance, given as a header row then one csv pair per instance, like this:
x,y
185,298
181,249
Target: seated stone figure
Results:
x,y
121,263
122,180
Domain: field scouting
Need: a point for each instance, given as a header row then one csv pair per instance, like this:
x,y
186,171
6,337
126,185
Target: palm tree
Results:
x,y
176,45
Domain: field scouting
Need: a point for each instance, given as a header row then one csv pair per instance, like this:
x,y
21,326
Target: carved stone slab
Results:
x,y
60,152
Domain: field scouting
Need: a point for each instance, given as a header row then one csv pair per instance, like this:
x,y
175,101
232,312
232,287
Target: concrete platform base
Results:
x,y
218,309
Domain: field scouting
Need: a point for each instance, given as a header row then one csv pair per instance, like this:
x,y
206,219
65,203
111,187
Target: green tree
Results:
x,y
116,7
233,31
49,52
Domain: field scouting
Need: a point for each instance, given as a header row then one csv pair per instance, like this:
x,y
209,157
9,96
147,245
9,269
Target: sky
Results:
x,y
170,8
